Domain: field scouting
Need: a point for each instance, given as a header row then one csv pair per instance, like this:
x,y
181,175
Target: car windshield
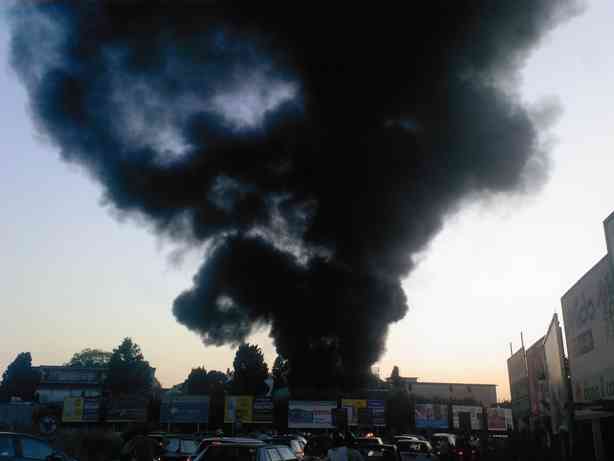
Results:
x,y
189,446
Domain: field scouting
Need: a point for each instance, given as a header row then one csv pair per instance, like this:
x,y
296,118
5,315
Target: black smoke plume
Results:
x,y
312,148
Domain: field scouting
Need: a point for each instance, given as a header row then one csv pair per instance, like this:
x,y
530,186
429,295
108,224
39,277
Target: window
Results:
x,y
189,446
286,454
296,447
7,447
35,449
273,454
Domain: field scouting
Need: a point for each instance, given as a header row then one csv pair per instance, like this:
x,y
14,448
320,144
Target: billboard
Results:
x,y
500,419
263,410
472,414
71,375
557,393
353,406
127,410
536,371
519,384
588,312
309,414
378,412
238,408
185,409
608,227
80,410
431,415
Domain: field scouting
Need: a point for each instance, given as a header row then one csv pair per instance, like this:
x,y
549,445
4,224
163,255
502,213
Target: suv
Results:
x,y
246,452
23,447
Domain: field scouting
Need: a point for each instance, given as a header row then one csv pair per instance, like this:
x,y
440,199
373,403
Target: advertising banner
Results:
x,y
73,410
557,394
263,410
473,415
127,410
588,313
352,406
430,415
305,414
185,409
519,384
608,227
238,408
536,371
500,419
81,410
70,375
378,412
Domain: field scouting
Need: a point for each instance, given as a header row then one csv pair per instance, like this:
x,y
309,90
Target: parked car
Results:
x,y
246,452
207,442
411,436
23,447
452,447
368,441
317,446
377,452
295,443
411,450
177,448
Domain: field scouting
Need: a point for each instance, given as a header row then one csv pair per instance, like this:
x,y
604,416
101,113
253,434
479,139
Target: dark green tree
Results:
x,y
395,376
129,372
250,370
90,358
281,368
201,382
399,410
19,379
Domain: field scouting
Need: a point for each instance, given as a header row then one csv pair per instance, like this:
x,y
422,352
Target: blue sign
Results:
x,y
185,409
429,415
378,412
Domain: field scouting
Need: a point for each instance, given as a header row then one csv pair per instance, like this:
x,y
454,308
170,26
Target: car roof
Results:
x,y
227,440
243,445
22,434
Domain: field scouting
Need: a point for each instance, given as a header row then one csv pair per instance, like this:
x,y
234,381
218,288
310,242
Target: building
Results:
x,y
59,382
482,394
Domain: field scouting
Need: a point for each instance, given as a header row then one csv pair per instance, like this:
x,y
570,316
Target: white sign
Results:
x,y
475,413
588,313
311,414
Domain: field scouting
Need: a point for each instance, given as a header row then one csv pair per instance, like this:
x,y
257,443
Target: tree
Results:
x,y
281,368
129,372
201,382
395,377
19,379
250,370
90,358
398,410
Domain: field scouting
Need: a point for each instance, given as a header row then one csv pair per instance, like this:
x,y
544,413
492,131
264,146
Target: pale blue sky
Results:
x,y
72,276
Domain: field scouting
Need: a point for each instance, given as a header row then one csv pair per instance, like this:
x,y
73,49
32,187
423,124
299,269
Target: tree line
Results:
x,y
127,372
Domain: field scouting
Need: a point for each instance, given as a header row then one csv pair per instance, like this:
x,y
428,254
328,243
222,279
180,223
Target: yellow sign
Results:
x,y
352,406
73,410
238,408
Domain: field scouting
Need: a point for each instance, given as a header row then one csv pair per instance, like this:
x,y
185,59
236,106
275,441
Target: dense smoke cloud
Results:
x,y
313,149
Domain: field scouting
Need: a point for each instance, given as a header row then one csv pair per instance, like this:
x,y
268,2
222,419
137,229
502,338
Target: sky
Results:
x,y
73,276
